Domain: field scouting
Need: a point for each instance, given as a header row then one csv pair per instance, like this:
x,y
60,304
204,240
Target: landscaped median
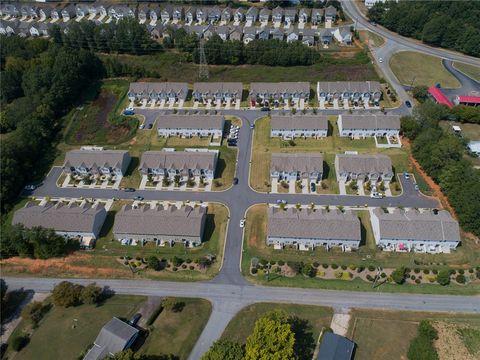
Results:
x,y
367,268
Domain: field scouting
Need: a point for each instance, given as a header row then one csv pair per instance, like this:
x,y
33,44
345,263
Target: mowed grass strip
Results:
x,y
241,326
421,69
177,332
469,70
64,333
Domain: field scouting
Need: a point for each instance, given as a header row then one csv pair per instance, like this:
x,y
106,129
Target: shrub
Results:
x,y
184,266
263,262
281,262
426,271
153,263
191,267
316,264
443,277
413,277
174,268
66,294
91,294
352,267
435,271
470,271
188,261
176,261
371,268
460,279
334,266
344,267
416,270
19,342
398,275
369,277
171,304
418,281
383,275
34,312
254,271
461,271
325,266
360,269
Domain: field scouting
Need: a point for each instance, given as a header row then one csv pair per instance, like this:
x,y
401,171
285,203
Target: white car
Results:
x,y
242,223
141,126
376,195
380,60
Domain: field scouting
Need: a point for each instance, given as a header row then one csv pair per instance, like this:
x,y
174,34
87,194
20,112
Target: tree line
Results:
x,y
49,83
441,155
449,24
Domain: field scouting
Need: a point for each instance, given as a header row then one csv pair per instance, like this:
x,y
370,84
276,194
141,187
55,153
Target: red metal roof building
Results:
x,y
467,100
440,97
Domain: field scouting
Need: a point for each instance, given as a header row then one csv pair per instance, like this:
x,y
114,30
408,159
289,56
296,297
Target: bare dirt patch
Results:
x,y
449,344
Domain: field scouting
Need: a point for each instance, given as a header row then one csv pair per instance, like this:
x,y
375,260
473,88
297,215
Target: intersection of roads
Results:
x,y
229,291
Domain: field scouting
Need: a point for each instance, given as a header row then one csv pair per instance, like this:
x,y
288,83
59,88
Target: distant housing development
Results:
x,y
69,220
164,225
363,167
344,94
96,162
190,125
294,126
308,229
361,126
413,230
293,167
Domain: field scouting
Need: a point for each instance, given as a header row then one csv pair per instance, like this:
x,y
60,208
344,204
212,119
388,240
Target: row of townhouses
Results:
x,y
400,230
170,13
150,223
338,94
299,166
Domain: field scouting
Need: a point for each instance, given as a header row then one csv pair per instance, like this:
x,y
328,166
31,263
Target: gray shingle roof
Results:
x,y
113,338
190,122
260,87
414,225
300,122
158,87
221,87
97,158
297,162
311,224
335,347
178,160
60,217
362,163
371,121
171,221
348,86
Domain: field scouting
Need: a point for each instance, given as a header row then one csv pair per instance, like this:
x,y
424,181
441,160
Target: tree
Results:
x,y
34,312
66,294
398,275
19,342
272,338
91,294
173,305
443,277
420,92
127,355
224,350
154,263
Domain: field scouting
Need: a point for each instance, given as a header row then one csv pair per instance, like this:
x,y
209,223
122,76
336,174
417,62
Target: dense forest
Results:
x,y
449,24
44,82
441,155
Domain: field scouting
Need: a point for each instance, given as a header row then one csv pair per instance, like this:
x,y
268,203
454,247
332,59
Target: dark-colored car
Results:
x,y
408,104
313,187
138,197
149,126
252,126
235,181
129,190
128,112
133,321
265,108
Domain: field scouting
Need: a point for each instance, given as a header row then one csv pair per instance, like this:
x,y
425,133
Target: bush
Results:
x,y
191,267
91,294
413,277
177,261
461,271
19,342
352,267
344,267
383,275
325,266
34,312
443,277
360,269
154,264
184,266
418,281
66,294
426,271
171,304
174,268
371,268
281,262
435,271
334,266
316,264
398,275
460,279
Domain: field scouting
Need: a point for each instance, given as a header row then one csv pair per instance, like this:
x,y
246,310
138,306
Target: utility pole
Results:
x,y
203,68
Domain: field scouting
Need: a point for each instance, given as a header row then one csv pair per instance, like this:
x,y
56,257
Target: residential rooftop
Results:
x,y
297,122
363,163
190,122
178,160
308,162
371,121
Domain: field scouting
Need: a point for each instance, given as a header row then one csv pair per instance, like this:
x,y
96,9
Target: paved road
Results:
x,y
468,86
228,299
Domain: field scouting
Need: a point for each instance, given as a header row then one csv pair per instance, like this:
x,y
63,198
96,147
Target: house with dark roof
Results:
x,y
226,15
308,229
68,12
277,15
317,16
69,220
304,15
114,337
335,347
295,167
239,15
294,126
362,126
190,125
412,230
330,13
164,225
96,162
290,16
363,167
252,15
264,15
186,164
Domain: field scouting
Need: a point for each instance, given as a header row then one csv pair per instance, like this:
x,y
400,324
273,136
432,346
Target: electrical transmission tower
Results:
x,y
203,68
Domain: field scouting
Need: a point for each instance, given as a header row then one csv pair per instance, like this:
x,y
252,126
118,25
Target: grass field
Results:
x,y
348,64
56,338
241,326
372,38
470,70
255,247
386,335
423,69
177,332
263,146
98,121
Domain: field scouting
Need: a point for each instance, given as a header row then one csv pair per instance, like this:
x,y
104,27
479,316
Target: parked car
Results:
x,y
284,202
376,195
150,126
32,187
128,112
313,187
141,126
265,108
133,321
235,181
138,197
380,60
252,126
408,104
417,188
129,190
242,223
406,176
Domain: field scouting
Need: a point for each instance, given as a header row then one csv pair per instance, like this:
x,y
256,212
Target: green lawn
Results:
x,y
423,69
57,338
470,70
372,38
177,333
386,335
255,247
264,146
241,326
98,120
